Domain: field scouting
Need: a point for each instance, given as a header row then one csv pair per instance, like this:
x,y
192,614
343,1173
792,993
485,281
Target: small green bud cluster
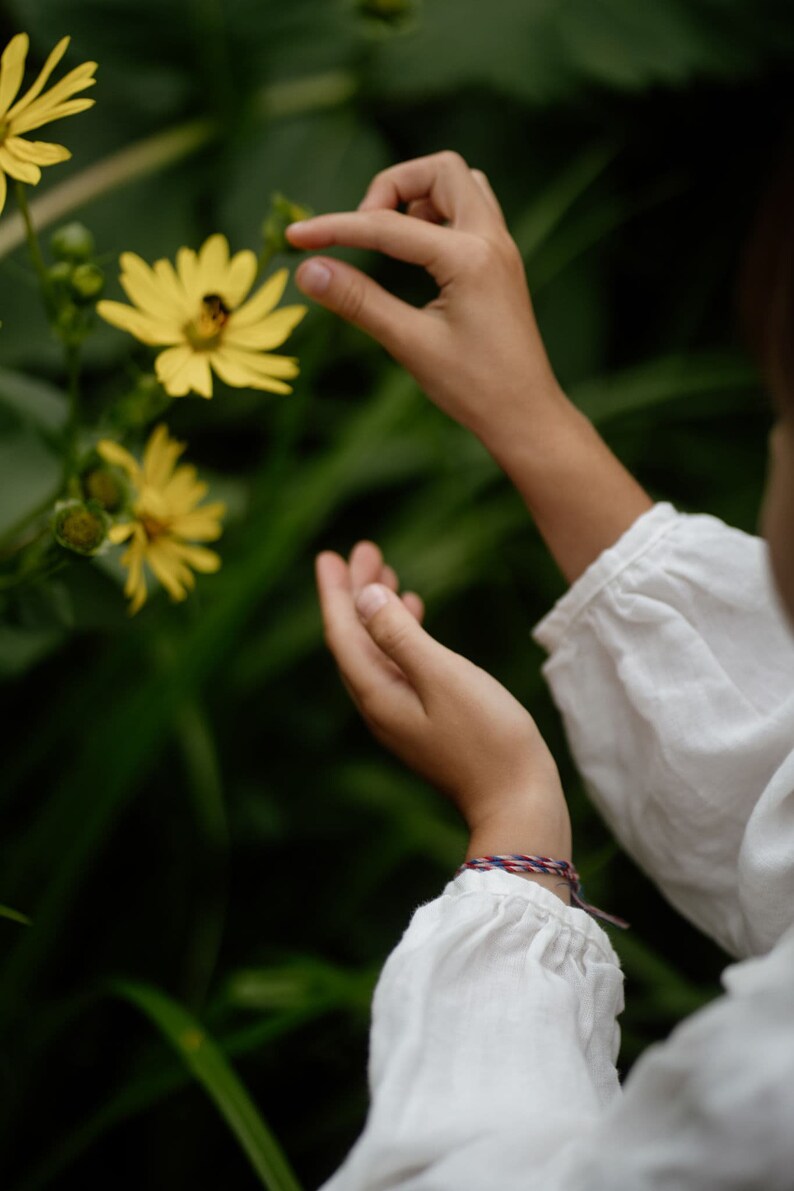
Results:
x,y
79,526
283,212
75,279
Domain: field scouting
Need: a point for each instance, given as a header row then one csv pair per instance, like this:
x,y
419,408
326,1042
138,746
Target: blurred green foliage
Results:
x,y
189,803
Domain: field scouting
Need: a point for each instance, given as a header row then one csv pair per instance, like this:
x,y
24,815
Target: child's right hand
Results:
x,y
475,349
443,716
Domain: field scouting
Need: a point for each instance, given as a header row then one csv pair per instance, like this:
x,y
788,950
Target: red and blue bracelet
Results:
x,y
517,863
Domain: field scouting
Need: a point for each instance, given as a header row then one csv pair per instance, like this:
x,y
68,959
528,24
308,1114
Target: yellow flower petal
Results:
x,y
142,326
265,363
143,287
160,457
236,369
181,369
183,491
213,264
263,301
76,80
199,558
188,271
12,69
45,72
113,453
36,116
239,278
39,152
3,190
119,533
270,333
169,569
199,376
23,171
201,525
171,287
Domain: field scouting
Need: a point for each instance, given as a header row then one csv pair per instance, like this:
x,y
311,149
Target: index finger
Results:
x,y
442,179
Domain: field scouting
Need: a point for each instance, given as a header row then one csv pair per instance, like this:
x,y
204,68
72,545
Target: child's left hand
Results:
x,y
442,715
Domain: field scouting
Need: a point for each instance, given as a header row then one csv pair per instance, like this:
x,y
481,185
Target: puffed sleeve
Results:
x,y
492,1062
495,1015
673,668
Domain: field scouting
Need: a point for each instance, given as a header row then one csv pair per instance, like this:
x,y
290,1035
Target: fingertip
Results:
x,y
371,599
313,277
415,605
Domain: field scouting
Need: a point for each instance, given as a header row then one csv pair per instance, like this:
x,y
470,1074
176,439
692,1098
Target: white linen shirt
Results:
x,y
494,1023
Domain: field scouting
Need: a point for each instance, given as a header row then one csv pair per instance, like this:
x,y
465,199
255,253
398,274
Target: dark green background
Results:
x,y
187,798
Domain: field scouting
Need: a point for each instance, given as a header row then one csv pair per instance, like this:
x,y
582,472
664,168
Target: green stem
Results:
x,y
34,248
73,382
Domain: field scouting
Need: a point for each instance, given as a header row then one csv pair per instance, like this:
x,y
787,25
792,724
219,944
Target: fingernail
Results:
x,y
297,224
313,277
370,599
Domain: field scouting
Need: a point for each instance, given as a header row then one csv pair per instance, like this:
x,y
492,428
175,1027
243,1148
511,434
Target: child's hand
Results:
x,y
475,349
439,713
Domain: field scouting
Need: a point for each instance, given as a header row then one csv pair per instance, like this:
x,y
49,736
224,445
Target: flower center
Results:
x,y
205,331
5,128
153,527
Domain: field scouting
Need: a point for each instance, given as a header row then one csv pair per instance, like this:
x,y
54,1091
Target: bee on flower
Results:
x,y
199,313
167,520
20,158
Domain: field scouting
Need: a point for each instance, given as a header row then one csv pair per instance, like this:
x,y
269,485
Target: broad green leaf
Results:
x,y
209,1066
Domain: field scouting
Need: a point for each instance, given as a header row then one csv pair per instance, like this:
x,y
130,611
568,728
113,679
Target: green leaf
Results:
x,y
541,51
31,476
661,381
33,400
210,1068
14,916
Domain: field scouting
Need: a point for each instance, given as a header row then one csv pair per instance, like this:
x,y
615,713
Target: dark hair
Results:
x,y
766,287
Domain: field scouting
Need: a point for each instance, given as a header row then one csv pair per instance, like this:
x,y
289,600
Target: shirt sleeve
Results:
x,y
495,1015
492,1062
673,668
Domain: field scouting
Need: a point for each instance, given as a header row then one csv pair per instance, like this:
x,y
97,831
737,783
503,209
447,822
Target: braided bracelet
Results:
x,y
543,864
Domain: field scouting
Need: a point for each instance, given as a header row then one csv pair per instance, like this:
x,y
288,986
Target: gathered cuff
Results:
x,y
639,538
541,904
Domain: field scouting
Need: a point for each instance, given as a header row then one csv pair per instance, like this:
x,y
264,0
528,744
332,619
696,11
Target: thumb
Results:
x,y
399,635
358,299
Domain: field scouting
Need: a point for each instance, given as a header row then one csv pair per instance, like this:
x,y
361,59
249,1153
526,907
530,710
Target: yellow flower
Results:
x,y
167,519
20,158
199,313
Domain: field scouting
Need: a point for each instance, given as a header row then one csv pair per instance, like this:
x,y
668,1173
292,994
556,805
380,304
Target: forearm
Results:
x,y
580,495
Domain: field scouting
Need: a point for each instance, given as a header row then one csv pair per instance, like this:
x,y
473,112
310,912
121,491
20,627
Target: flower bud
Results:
x,y
103,487
80,527
87,282
60,273
72,242
282,213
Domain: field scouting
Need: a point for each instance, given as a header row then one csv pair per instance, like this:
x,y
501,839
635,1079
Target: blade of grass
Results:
x,y
538,222
660,381
14,916
207,1063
